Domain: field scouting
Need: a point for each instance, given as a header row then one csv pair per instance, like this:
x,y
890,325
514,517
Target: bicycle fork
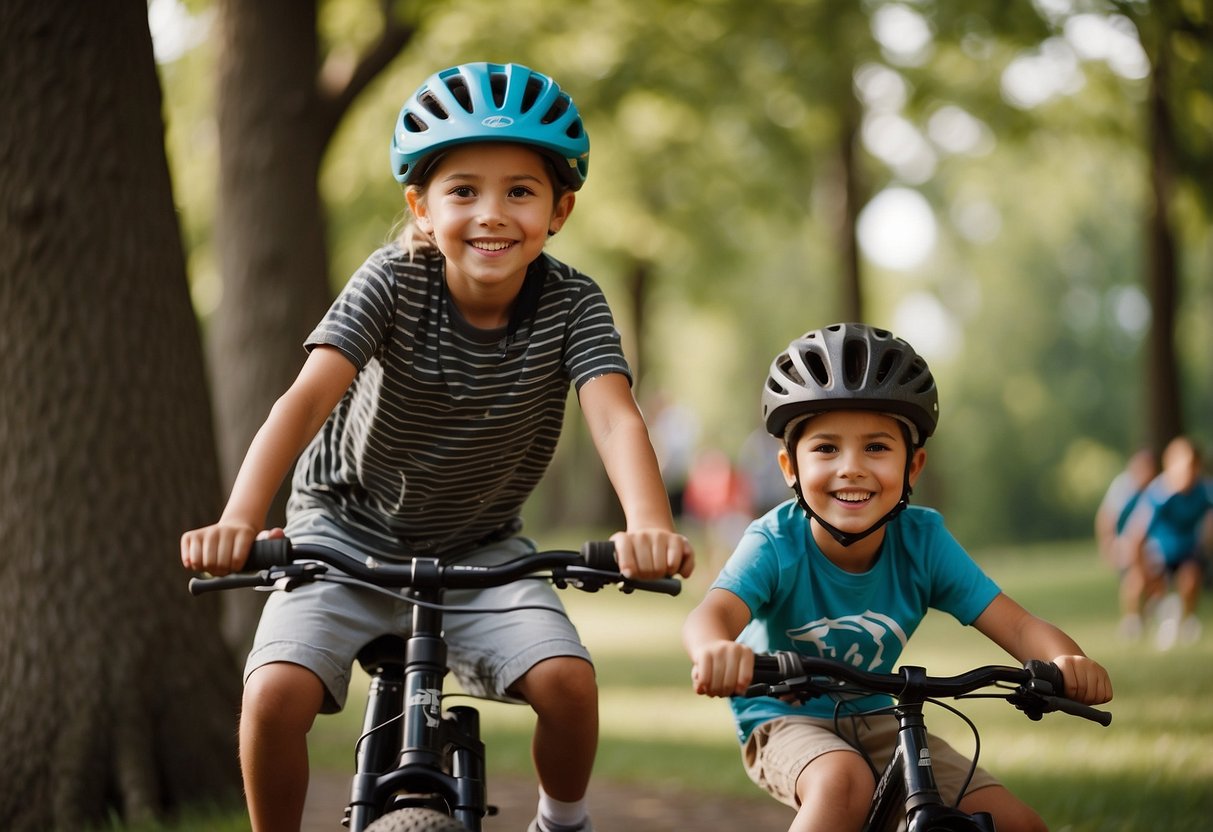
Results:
x,y
412,763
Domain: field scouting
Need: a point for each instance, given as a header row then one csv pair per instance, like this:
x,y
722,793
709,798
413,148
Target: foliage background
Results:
x,y
713,164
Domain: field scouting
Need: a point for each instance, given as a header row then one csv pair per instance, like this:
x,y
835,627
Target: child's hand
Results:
x,y
1086,680
653,553
722,668
221,548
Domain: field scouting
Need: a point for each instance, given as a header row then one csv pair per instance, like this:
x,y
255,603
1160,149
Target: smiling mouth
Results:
x,y
498,245
853,496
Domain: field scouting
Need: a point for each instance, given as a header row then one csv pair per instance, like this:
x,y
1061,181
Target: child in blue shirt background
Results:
x,y
847,570
1163,541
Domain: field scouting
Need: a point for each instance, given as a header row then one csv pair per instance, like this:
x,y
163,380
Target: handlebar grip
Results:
x,y
772,668
266,554
666,586
1069,706
599,554
1051,673
198,586
766,668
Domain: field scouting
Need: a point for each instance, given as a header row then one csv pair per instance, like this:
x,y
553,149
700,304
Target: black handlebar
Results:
x,y
271,561
1040,686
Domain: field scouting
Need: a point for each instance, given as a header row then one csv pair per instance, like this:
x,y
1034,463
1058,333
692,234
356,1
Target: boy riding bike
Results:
x,y
847,570
426,412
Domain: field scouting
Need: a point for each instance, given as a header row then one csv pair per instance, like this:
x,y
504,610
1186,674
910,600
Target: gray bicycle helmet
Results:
x,y
479,102
850,366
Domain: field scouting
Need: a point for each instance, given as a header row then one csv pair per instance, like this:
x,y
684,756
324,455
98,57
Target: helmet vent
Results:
x,y
789,369
887,363
817,369
497,83
414,124
534,87
459,89
433,105
559,107
854,363
917,371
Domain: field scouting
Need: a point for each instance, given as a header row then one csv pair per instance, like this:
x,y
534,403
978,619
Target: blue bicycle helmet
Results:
x,y
480,102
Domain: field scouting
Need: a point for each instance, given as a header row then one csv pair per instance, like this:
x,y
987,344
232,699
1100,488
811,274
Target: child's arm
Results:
x,y
649,547
719,665
1025,637
293,421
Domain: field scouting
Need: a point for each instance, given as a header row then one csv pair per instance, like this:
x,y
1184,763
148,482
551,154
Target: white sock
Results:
x,y
562,813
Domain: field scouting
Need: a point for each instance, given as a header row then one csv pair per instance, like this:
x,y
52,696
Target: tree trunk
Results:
x,y
118,697
852,199
1164,415
270,230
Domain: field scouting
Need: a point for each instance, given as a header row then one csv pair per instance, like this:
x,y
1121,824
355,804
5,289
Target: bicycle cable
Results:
x,y
976,746
429,605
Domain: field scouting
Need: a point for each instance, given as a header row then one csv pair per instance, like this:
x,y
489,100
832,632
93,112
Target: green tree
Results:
x,y
1179,142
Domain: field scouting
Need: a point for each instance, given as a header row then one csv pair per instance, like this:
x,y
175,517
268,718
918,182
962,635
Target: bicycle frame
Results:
x,y
412,755
405,767
907,787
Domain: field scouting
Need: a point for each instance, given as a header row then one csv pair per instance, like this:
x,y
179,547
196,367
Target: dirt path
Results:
x,y
615,808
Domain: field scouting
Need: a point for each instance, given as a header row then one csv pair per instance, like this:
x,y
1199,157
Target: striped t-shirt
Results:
x,y
447,428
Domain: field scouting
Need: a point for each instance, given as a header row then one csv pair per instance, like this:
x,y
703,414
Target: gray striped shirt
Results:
x,y
447,428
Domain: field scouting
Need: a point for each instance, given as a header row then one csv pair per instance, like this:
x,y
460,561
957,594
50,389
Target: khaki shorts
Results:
x,y
778,751
322,626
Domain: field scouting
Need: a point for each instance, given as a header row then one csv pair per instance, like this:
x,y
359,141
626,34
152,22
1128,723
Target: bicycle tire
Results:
x,y
416,820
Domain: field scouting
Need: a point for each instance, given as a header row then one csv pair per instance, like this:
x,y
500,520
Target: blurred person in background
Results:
x,y
1163,543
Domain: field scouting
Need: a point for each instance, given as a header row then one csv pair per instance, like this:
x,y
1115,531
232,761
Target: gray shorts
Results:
x,y
322,626
778,751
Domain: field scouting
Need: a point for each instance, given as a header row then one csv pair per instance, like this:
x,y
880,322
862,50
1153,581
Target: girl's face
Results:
x,y
490,208
851,465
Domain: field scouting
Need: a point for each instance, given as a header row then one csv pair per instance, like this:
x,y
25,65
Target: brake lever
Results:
x,y
801,688
285,578
583,578
294,575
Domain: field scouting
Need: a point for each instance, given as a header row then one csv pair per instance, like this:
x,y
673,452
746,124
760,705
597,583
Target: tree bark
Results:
x,y
1164,413
118,697
276,115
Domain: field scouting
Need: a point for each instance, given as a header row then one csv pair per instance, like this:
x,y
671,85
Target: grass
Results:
x,y
1151,769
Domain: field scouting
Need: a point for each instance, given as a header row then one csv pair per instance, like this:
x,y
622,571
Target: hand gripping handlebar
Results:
x,y
272,561
1040,687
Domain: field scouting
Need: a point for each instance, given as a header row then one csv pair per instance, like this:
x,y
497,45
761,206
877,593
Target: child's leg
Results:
x,y
835,792
1010,813
564,695
535,655
281,701
1188,579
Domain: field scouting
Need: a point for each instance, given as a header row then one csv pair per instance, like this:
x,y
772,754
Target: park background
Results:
x,y
1021,190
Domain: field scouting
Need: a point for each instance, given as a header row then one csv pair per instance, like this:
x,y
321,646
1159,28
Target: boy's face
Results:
x,y
490,207
1181,466
851,465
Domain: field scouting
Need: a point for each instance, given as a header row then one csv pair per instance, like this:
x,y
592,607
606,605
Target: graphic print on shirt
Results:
x,y
859,640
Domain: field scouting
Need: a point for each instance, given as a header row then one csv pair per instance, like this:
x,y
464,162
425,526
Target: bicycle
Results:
x,y
906,788
420,767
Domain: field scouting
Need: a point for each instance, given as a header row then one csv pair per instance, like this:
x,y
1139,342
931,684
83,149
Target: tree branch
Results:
x,y
340,81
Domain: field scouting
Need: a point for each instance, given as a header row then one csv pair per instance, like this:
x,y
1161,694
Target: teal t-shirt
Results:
x,y
1174,519
801,601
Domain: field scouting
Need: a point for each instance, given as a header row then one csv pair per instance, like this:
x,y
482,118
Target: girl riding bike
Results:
x,y
426,412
